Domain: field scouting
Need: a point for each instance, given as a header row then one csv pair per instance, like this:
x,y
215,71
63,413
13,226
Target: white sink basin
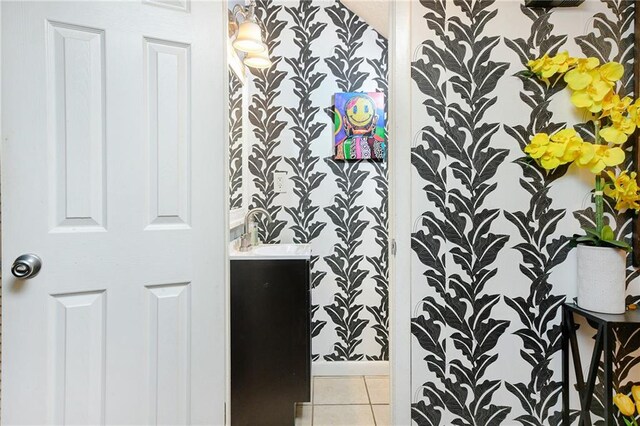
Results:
x,y
273,252
280,249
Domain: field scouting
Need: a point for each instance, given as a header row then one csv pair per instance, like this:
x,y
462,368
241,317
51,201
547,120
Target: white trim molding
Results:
x,y
400,210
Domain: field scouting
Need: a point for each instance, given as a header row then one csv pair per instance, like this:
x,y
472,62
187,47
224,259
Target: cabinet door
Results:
x,y
302,368
270,351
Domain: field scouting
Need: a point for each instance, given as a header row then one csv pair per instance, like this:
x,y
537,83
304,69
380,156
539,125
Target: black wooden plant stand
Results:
x,y
605,343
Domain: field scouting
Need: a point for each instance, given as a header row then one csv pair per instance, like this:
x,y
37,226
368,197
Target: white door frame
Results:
x,y
400,210
224,28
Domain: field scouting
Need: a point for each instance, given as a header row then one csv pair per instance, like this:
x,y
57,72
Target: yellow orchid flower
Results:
x,y
579,77
594,88
604,157
621,127
633,111
611,72
613,135
572,151
612,104
535,65
618,184
593,95
613,156
557,149
543,66
596,165
569,143
560,148
624,404
549,154
538,146
549,160
565,135
624,190
563,61
547,66
587,152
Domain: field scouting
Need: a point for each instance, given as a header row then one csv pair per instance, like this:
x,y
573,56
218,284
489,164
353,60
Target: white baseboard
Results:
x,y
350,368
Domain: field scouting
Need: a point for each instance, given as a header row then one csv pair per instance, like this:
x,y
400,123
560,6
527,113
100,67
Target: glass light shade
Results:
x,y
258,59
249,38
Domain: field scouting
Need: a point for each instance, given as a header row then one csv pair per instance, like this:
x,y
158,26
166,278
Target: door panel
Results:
x,y
79,342
111,174
168,73
76,121
170,364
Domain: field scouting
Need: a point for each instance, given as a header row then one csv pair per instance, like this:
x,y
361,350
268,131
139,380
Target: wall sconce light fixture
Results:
x,y
258,59
249,37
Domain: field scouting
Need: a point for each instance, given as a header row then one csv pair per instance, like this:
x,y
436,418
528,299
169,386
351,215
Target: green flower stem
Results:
x,y
599,204
599,188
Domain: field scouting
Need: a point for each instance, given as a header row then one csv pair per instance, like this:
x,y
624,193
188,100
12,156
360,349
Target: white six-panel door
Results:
x,y
112,172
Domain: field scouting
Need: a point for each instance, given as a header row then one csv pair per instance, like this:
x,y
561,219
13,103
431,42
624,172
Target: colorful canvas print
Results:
x,y
359,126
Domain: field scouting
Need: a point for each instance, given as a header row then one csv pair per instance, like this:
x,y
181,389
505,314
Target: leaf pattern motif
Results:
x,y
264,115
318,48
541,248
306,130
429,160
463,52
235,141
346,211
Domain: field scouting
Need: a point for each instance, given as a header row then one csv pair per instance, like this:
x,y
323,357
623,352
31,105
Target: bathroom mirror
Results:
x,y
238,155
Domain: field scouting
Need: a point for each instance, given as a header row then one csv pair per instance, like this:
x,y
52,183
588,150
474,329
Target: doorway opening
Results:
x,y
280,156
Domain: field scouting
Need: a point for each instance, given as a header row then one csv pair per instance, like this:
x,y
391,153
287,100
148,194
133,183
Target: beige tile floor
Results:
x,y
346,401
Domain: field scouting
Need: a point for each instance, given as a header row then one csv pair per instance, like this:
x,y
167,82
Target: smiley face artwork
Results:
x,y
360,111
359,128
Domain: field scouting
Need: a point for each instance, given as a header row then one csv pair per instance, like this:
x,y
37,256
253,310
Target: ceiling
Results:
x,y
373,12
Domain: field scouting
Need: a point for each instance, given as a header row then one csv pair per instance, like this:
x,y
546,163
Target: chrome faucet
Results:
x,y
245,240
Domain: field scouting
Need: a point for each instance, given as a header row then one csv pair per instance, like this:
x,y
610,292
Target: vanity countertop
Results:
x,y
271,252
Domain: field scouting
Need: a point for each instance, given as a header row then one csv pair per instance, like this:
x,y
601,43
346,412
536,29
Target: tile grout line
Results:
x,y
369,400
366,387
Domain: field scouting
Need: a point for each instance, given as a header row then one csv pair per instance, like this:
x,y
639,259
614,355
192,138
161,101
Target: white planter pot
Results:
x,y
601,279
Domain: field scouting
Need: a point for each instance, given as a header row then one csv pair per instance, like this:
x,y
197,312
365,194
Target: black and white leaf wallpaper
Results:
x,y
265,118
306,130
346,212
541,248
491,263
235,141
319,47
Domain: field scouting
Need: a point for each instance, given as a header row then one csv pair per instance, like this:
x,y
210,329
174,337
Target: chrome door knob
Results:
x,y
26,266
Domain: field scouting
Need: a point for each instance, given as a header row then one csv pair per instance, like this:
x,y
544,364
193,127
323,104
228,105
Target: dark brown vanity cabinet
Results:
x,y
270,340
